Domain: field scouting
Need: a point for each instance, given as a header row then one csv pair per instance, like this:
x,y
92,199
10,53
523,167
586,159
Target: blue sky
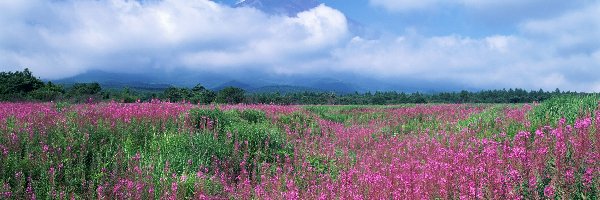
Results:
x,y
528,44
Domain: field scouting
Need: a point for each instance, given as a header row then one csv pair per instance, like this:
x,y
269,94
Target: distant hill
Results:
x,y
117,81
333,85
108,77
233,83
283,89
159,82
321,85
254,82
179,78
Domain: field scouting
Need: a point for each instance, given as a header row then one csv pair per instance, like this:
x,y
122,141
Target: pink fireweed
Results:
x,y
372,156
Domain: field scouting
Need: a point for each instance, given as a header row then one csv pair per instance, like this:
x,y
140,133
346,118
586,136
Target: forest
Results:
x,y
24,86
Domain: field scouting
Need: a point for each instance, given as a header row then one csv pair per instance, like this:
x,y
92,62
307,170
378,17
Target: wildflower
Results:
x,y
549,191
532,181
539,133
137,157
588,176
4,150
569,175
174,187
183,178
45,148
100,192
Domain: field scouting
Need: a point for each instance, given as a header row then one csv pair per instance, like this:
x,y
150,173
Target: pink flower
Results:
x,y
588,176
549,191
100,192
174,187
532,181
569,175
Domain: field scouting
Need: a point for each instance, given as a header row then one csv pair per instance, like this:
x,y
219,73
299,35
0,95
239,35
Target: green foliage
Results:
x,y
264,140
83,89
413,125
211,119
349,113
231,95
331,113
127,96
569,107
484,122
94,151
202,95
198,94
48,92
299,122
253,116
16,85
393,97
176,94
323,165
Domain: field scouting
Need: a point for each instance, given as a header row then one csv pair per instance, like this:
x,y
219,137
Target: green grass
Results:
x,y
350,114
569,107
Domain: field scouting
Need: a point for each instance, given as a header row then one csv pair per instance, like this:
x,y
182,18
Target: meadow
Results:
x,y
163,150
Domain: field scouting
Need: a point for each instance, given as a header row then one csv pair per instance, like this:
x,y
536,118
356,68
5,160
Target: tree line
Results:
x,y
23,86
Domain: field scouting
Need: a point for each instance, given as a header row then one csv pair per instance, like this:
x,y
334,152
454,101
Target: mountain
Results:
x,y
233,83
317,85
179,77
117,80
285,7
257,82
333,85
102,76
283,89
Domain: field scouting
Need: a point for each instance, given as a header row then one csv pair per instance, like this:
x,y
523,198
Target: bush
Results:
x,y
231,95
16,85
253,116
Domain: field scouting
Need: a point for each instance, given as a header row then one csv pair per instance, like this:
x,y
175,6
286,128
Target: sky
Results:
x,y
529,44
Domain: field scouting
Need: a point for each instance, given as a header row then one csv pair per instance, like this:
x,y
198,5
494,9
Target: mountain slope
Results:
x,y
233,83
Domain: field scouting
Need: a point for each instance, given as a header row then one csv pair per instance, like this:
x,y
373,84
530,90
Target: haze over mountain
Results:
x,y
329,45
252,83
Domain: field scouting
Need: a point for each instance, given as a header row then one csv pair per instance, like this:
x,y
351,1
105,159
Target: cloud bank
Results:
x,y
62,38
58,39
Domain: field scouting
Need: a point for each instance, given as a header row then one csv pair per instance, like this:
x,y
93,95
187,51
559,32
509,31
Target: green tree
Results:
x,y
175,94
202,95
16,85
127,96
84,92
84,89
48,92
231,95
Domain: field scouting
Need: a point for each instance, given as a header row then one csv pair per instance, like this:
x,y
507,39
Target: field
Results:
x,y
161,150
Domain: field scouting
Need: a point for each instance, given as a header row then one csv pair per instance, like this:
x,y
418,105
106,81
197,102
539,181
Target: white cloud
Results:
x,y
555,52
62,38
75,36
576,30
284,38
